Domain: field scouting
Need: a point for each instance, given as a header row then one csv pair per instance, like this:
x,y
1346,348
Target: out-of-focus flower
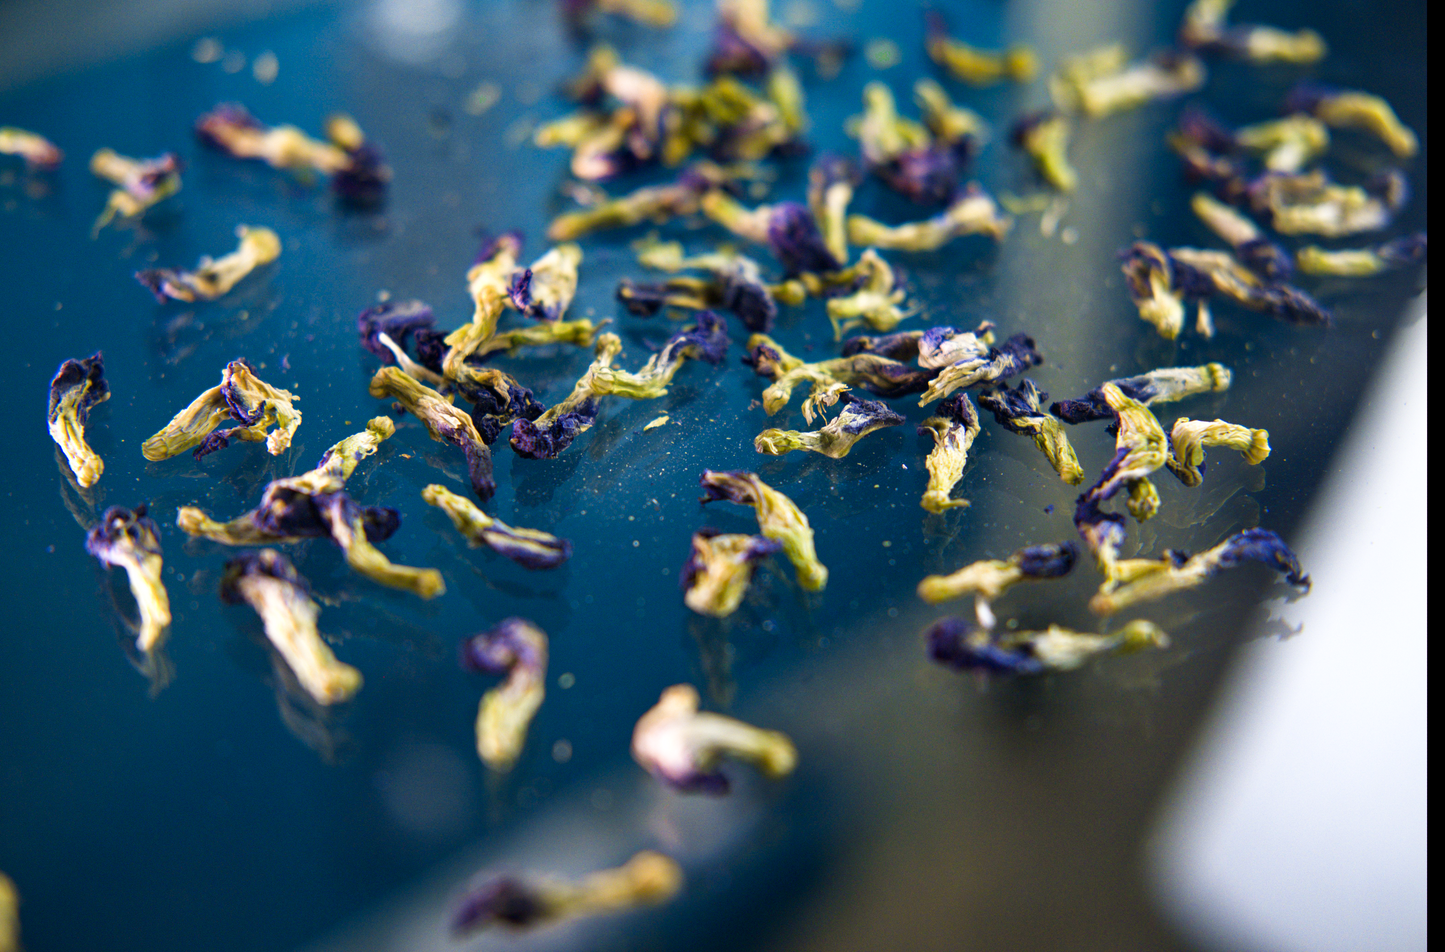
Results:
x,y
1311,204
241,396
857,419
973,212
1166,385
876,302
1188,438
517,649
717,572
736,283
1254,250
1363,262
77,387
9,916
1045,137
546,288
1149,275
1099,82
831,181
39,153
953,429
1012,357
1204,272
211,279
529,548
1205,28
748,43
685,749
779,518
974,66
269,583
787,228
1285,145
950,123
659,13
904,154
963,646
1349,109
444,422
900,346
654,203
129,539
1021,410
647,879
1145,580
141,183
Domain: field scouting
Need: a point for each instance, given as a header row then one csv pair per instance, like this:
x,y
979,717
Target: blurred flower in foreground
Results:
x,y
964,646
647,879
684,748
517,649
39,153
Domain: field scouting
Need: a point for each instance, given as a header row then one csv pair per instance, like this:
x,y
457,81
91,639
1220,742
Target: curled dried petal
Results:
x,y
529,548
963,646
954,430
719,569
857,419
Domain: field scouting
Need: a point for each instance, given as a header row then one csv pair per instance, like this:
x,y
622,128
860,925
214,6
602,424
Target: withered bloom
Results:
x,y
9,904
684,748
831,181
129,539
497,400
950,124
787,228
654,203
1103,534
903,154
77,387
973,212
269,583
388,328
877,301
211,279
341,459
1217,272
706,341
1363,262
140,183
779,518
39,153
1188,438
1254,250
735,282
647,879
241,396
1311,204
444,422
878,374
953,429
1141,448
489,283
517,649
1165,385
1144,580
564,421
900,346
1285,145
660,13
974,66
990,578
529,548
1045,137
1348,109
1012,357
717,572
1100,81
940,346
1021,410
963,646
857,419
1205,28
546,288
1149,275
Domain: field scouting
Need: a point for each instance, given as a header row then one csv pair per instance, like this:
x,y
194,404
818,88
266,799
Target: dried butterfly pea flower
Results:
x,y
1014,356
779,518
77,387
904,154
941,345
963,646
990,578
1254,250
1141,448
1205,28
950,124
655,203
1311,204
497,400
953,429
9,907
578,333
529,548
876,302
684,748
831,182
1349,109
546,288
341,459
1188,438
974,66
489,283
900,346
1210,272
1099,82
879,375
387,328
1045,137
787,228
517,649
129,539
1103,534
659,13
211,279
1165,385
1149,275
39,153
973,212
269,583
355,166
857,419
444,422
746,41
1363,262
241,396
1021,410
707,341
735,283
719,569
1144,580
564,421
647,879
362,181
1286,145
141,183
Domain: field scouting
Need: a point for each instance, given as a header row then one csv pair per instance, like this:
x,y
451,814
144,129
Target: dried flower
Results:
x,y
787,228
269,583
546,288
1363,262
655,203
659,13
963,646
129,539
1189,437
831,181
684,748
876,302
444,422
779,518
1144,580
529,548
1166,385
1014,356
141,183
857,419
517,649
1099,82
1311,204
647,879
1205,29
974,66
211,279
719,569
1021,410
878,374
1045,137
241,396
953,430
77,387
1349,109
1256,252
39,153
973,212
